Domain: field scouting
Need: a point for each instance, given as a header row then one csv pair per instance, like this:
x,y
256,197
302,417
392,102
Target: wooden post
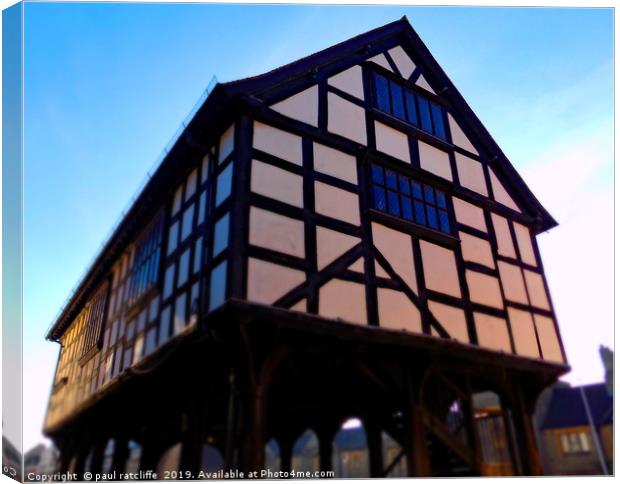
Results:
x,y
286,455
149,457
96,463
326,449
191,449
375,448
121,454
418,462
523,405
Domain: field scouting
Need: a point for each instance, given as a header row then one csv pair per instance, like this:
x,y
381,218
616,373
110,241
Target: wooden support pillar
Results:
x,y
149,456
255,434
96,463
523,404
375,448
80,459
326,449
121,454
418,462
286,455
232,423
472,427
191,451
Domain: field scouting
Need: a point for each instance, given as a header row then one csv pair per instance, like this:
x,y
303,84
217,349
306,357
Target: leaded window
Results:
x,y
145,269
95,317
411,107
407,198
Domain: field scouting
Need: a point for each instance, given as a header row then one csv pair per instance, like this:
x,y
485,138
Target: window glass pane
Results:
x,y
183,267
441,199
176,202
425,114
398,106
197,254
403,183
190,185
153,308
420,216
390,179
417,190
444,221
224,185
565,445
439,130
217,289
164,325
141,320
173,237
406,207
432,217
205,169
429,196
202,207
377,174
179,312
188,220
393,203
379,197
168,281
412,115
382,96
131,328
150,340
220,236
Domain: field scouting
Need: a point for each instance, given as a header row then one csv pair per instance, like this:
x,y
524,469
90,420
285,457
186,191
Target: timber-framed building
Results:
x,y
338,237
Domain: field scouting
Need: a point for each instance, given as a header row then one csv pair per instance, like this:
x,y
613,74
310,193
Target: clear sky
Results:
x,y
106,86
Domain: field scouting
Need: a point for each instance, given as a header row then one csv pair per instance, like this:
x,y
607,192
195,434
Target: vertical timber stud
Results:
x,y
375,451
240,207
418,462
523,404
192,437
326,447
121,454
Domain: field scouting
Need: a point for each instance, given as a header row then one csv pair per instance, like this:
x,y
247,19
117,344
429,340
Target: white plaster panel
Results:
x,y
403,61
268,282
346,119
458,137
227,142
273,182
469,214
276,232
523,332
336,203
536,290
440,269
471,174
500,194
396,311
477,250
303,106
331,245
397,248
392,142
548,337
276,142
512,282
335,163
492,332
484,289
505,246
434,160
524,241
344,300
452,319
349,81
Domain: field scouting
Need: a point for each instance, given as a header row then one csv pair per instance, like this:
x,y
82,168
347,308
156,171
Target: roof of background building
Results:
x,y
567,409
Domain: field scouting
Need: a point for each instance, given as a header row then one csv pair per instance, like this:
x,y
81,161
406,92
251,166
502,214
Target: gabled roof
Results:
x,y
567,409
219,108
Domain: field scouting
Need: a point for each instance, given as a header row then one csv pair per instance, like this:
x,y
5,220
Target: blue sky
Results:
x,y
106,86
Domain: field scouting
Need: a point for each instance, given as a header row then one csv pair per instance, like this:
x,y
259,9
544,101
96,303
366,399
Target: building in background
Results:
x,y
340,237
40,461
567,436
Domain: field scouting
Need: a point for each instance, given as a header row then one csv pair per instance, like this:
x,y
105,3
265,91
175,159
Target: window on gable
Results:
x,y
95,318
407,198
411,107
575,442
145,268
